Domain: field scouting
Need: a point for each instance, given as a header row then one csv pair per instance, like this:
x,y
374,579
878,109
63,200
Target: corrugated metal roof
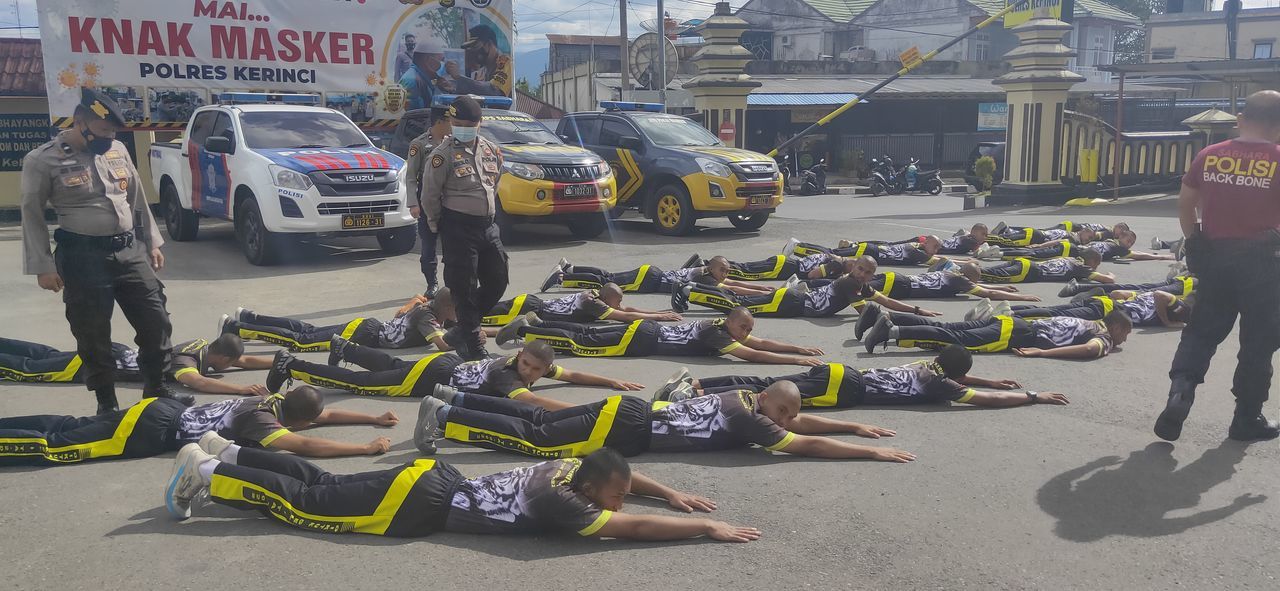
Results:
x,y
1083,8
21,68
539,109
791,91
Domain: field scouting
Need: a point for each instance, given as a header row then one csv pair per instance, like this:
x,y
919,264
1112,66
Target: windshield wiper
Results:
x,y
309,146
514,143
357,145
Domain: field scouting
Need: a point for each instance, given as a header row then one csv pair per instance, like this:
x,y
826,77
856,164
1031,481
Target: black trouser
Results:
x,y
1052,251
782,303
636,339
505,311
1022,270
1236,278
384,376
97,276
302,336
644,279
410,500
427,242
21,361
817,385
1017,237
1175,286
983,336
619,422
475,270
774,267
805,249
142,430
892,285
1090,309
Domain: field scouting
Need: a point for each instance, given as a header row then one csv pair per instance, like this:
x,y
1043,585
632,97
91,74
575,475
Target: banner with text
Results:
x,y
1056,9
370,59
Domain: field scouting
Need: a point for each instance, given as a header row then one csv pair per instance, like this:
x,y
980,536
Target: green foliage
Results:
x,y
985,169
522,85
1131,44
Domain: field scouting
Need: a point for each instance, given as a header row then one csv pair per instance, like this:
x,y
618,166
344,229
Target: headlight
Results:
x,y
603,170
525,171
289,179
713,168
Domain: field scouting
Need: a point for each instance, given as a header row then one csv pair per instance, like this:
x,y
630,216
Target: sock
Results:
x,y
893,333
442,414
206,471
231,455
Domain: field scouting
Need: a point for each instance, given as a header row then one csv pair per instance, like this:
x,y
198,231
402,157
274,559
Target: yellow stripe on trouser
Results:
x,y
1188,286
640,275
831,396
404,388
770,306
778,262
712,300
599,432
1066,248
236,490
516,310
1002,344
565,344
1108,304
104,448
270,337
66,374
889,278
1019,278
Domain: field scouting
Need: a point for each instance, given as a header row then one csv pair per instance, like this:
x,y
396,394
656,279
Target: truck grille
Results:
x,y
335,183
570,174
758,189
341,207
755,172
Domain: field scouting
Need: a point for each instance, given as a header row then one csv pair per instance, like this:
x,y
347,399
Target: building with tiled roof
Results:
x,y
24,112
21,68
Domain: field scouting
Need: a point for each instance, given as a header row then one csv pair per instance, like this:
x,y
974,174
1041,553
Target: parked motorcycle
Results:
x,y
885,178
784,166
814,179
922,182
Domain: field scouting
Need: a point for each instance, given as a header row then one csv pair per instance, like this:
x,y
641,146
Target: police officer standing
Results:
x,y
459,187
419,150
1234,250
108,246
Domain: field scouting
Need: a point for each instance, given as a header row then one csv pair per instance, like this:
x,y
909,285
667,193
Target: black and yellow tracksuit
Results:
x,y
384,376
983,336
145,429
619,422
301,336
782,303
21,361
827,385
406,501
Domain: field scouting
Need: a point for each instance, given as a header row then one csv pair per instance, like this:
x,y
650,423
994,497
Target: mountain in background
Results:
x,y
531,64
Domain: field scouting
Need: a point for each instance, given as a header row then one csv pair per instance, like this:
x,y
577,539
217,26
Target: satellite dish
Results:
x,y
644,61
674,28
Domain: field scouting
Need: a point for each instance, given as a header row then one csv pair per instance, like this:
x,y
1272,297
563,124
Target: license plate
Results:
x,y
359,178
580,191
759,201
359,221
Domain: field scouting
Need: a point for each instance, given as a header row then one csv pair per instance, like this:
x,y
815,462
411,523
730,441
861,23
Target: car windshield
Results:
x,y
282,130
514,129
668,130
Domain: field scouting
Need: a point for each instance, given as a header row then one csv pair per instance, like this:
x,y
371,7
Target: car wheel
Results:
x,y
182,225
588,226
261,246
672,211
397,241
749,222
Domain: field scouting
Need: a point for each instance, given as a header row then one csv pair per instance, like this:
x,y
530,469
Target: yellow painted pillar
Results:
x,y
720,90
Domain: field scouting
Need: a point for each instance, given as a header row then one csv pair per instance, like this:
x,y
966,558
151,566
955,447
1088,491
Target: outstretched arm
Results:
x,y
632,315
978,382
315,447
647,487
746,353
806,424
547,403
1149,256
741,288
1090,350
337,416
253,362
583,378
1000,294
661,528
200,383
1007,399
897,306
1102,277
780,347
825,447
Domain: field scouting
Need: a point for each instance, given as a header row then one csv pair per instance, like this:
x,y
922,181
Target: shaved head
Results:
x,y
780,402
1261,115
611,294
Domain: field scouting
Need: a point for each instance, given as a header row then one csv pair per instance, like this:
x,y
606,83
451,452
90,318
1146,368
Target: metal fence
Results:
x,y
954,149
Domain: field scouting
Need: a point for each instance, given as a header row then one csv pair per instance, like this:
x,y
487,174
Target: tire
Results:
x,y
935,187
750,222
672,211
588,226
182,225
617,212
398,241
877,189
261,246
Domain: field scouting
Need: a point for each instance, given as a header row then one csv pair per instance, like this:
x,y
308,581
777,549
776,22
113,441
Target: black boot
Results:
x,y
107,403
1182,394
163,391
1250,425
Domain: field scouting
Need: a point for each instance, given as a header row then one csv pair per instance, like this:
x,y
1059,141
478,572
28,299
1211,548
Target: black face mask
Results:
x,y
96,145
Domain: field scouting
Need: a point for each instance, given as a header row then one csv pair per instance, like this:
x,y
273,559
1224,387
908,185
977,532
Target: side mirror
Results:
x,y
218,145
630,142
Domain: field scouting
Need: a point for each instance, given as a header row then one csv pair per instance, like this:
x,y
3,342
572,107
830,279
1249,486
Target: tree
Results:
x,y
522,85
1131,44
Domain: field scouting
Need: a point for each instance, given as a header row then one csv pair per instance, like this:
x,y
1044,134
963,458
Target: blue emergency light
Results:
x,y
443,101
262,98
627,106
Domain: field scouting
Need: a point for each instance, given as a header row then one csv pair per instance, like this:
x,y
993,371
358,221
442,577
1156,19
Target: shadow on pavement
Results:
x,y
1111,496
216,255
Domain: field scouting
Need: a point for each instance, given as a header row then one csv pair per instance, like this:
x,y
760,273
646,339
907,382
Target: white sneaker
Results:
x,y
790,248
213,444
1177,269
980,311
800,288
989,252
960,232
1002,308
844,244
792,282
1155,243
240,312
185,482
222,324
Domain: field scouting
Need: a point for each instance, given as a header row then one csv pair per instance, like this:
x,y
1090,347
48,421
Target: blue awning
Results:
x,y
797,99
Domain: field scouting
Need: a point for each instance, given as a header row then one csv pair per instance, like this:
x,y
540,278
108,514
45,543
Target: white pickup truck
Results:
x,y
279,172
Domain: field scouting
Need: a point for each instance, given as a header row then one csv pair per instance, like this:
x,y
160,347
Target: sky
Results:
x,y
534,18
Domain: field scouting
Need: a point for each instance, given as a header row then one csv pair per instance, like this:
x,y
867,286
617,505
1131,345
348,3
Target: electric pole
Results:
x,y
624,51
662,54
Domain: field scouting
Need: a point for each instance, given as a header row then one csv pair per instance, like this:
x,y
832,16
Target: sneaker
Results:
x,y
1071,288
694,261
1002,308
844,244
989,252
1178,252
663,393
224,324
1000,228
1156,244
680,298
337,349
511,331
1177,269
213,444
960,232
279,374
790,247
941,265
564,264
981,311
681,393
870,314
163,391
424,433
800,287
1092,292
185,482
444,393
243,314
552,280
791,282
878,334
1253,428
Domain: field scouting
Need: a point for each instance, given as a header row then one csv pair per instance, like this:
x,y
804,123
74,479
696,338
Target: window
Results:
x,y
1262,51
281,130
1161,53
203,126
580,131
981,52
613,130
222,127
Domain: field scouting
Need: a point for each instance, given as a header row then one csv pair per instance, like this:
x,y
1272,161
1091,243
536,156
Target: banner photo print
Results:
x,y
370,59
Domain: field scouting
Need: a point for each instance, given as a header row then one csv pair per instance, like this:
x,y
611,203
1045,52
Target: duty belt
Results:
x,y
114,243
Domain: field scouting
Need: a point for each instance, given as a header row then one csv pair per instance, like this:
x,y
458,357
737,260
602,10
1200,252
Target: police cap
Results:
x,y
465,108
479,34
96,104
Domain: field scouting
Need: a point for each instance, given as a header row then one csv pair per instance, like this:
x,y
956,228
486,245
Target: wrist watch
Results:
x,y
1033,397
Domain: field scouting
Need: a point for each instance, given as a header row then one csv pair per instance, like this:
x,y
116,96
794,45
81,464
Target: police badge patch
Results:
x,y
437,161
413,150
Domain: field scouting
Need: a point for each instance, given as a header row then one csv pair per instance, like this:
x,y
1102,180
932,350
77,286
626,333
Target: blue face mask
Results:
x,y
465,135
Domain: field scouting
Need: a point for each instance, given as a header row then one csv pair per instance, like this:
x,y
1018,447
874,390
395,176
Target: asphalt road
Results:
x,y
1077,497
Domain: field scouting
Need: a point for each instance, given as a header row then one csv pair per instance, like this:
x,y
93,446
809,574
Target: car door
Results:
x,y
201,127
625,162
212,171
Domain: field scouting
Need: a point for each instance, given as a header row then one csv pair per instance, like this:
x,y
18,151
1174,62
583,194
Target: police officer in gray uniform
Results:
x,y
419,151
108,246
459,188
